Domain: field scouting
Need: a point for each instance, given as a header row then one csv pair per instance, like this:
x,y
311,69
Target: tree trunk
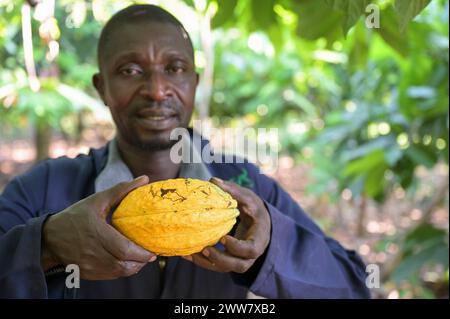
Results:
x,y
339,214
362,216
438,197
206,81
80,127
42,140
428,208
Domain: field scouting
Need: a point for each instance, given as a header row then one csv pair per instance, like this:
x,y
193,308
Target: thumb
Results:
x,y
117,193
233,189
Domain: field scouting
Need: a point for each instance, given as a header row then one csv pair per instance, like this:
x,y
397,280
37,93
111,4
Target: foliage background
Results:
x,y
362,112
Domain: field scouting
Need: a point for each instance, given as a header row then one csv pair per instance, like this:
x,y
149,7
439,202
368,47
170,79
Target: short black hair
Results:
x,y
134,14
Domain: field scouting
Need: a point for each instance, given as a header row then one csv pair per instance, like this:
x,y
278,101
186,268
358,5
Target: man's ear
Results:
x,y
97,81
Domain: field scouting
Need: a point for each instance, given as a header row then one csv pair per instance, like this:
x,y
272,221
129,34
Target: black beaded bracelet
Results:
x,y
55,270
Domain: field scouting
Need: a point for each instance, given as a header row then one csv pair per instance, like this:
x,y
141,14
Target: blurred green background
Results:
x,y
362,109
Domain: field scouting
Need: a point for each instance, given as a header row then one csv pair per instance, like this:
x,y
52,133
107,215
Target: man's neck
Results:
x,y
157,164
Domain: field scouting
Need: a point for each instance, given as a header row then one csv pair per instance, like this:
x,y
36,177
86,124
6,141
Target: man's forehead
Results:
x,y
143,12
148,32
148,27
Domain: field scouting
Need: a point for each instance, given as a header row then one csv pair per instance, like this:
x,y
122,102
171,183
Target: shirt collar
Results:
x,y
116,171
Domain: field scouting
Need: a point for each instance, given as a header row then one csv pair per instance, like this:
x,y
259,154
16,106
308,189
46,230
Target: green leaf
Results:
x,y
360,48
190,3
373,145
422,233
263,14
408,10
365,164
422,246
388,30
352,10
81,99
435,254
304,104
393,154
225,12
357,185
275,34
422,155
375,180
383,244
317,20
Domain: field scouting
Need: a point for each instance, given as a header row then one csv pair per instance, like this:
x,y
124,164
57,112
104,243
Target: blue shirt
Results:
x,y
300,261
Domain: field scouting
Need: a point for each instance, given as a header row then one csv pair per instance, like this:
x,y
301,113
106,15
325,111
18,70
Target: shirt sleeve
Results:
x,y
300,261
21,274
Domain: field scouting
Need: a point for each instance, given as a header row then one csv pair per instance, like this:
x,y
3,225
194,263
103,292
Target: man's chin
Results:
x,y
157,144
156,147
150,140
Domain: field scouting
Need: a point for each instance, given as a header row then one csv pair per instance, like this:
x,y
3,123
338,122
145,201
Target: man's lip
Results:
x,y
147,113
157,124
156,117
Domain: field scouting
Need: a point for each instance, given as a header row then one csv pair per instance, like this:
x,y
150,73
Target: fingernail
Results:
x,y
205,252
218,180
223,240
140,177
152,259
189,258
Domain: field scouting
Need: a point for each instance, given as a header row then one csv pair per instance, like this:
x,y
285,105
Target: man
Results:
x,y
57,213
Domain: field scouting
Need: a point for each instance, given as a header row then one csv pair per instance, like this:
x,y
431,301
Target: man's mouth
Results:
x,y
157,122
156,118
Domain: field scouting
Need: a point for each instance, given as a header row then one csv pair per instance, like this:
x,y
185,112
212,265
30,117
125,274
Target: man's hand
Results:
x,y
250,240
80,235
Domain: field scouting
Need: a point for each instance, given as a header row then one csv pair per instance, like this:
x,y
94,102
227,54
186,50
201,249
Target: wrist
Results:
x,y
48,258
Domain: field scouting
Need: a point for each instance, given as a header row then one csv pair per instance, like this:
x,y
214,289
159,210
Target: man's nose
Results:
x,y
155,87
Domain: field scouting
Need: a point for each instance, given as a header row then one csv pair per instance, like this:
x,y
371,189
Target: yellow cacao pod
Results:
x,y
176,217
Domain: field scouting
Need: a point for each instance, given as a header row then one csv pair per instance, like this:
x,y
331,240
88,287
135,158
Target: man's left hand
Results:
x,y
250,240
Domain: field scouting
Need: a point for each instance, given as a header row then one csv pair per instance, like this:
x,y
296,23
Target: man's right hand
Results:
x,y
81,235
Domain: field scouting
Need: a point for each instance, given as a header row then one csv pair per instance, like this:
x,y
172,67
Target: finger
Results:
x,y
247,249
122,248
128,268
113,270
202,261
114,195
98,265
237,192
226,262
246,198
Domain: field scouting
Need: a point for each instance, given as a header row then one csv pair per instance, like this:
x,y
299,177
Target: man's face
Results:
x,y
148,80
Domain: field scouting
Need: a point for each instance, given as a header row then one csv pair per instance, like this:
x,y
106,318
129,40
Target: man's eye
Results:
x,y
175,69
130,71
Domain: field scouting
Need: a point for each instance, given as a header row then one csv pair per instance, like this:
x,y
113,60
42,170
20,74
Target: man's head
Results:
x,y
147,75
